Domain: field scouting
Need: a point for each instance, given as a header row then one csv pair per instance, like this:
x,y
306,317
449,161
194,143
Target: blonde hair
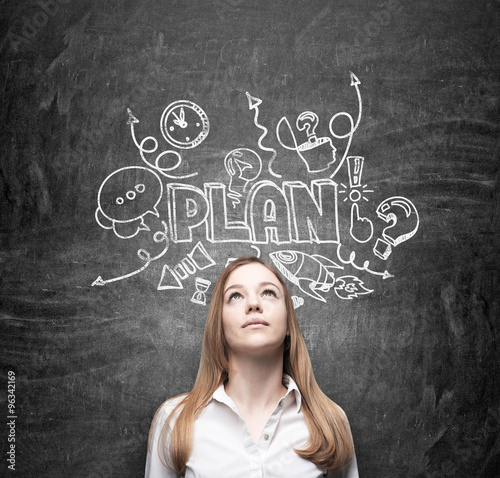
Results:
x,y
330,443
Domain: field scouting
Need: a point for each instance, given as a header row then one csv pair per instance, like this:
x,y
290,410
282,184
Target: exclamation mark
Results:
x,y
355,168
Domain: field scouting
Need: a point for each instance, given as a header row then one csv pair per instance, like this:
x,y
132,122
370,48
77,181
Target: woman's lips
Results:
x,y
255,324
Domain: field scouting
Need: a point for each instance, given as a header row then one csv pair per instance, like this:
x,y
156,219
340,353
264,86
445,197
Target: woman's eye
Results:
x,y
234,295
270,293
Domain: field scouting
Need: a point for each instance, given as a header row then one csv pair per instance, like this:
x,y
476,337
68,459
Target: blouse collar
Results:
x,y
221,396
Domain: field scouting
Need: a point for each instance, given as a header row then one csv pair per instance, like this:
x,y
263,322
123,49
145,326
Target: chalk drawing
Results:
x,y
243,165
163,158
316,153
219,229
313,211
144,255
232,259
249,208
184,124
253,104
311,273
294,213
297,301
361,229
354,125
188,209
355,169
125,197
365,267
268,214
169,279
404,219
200,296
357,190
257,250
350,287
197,260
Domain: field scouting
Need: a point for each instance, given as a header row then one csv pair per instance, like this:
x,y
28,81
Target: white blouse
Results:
x,y
224,448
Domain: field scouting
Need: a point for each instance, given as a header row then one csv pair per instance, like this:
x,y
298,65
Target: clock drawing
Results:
x,y
184,124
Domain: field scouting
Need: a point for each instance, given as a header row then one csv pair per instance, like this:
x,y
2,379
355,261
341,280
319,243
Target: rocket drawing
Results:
x,y
312,273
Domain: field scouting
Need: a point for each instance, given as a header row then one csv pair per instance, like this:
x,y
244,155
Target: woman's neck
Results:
x,y
255,383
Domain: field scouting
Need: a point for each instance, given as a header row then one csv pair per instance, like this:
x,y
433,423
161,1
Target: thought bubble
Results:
x,y
129,194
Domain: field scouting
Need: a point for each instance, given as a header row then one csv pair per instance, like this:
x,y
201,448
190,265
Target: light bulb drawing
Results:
x,y
243,166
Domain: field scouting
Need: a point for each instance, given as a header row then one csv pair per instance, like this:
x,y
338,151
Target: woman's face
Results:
x,y
254,314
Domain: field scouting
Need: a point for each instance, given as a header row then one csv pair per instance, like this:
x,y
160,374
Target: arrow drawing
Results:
x,y
365,267
354,126
159,236
253,104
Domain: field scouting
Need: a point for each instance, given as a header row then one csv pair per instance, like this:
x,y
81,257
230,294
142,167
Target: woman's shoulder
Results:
x,y
342,414
167,407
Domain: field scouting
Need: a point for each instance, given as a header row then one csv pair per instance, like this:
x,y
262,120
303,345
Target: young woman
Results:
x,y
255,409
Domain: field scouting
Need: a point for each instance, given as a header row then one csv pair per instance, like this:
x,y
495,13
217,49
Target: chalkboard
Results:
x,y
353,145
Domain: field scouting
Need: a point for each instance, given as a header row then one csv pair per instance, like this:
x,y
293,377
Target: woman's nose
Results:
x,y
254,305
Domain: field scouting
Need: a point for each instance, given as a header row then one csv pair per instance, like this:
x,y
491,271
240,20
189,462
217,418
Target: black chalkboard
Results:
x,y
354,145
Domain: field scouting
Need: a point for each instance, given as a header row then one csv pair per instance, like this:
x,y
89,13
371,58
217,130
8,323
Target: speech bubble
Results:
x,y
129,194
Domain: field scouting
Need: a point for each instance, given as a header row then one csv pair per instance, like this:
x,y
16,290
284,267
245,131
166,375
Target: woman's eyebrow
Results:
x,y
240,286
269,283
234,286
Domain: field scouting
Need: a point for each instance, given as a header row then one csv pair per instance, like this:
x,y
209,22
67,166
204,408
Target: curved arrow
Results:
x,y
144,255
354,126
356,82
365,267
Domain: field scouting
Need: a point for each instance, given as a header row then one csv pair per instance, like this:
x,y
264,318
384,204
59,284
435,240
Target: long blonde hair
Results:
x,y
330,443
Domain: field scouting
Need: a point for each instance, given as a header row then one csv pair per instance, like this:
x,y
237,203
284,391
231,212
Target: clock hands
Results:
x,y
181,119
184,124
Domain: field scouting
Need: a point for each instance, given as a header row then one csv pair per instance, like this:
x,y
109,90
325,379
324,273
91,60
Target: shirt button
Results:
x,y
266,437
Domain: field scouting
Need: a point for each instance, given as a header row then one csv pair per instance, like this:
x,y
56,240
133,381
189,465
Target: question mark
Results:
x,y
308,121
403,215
